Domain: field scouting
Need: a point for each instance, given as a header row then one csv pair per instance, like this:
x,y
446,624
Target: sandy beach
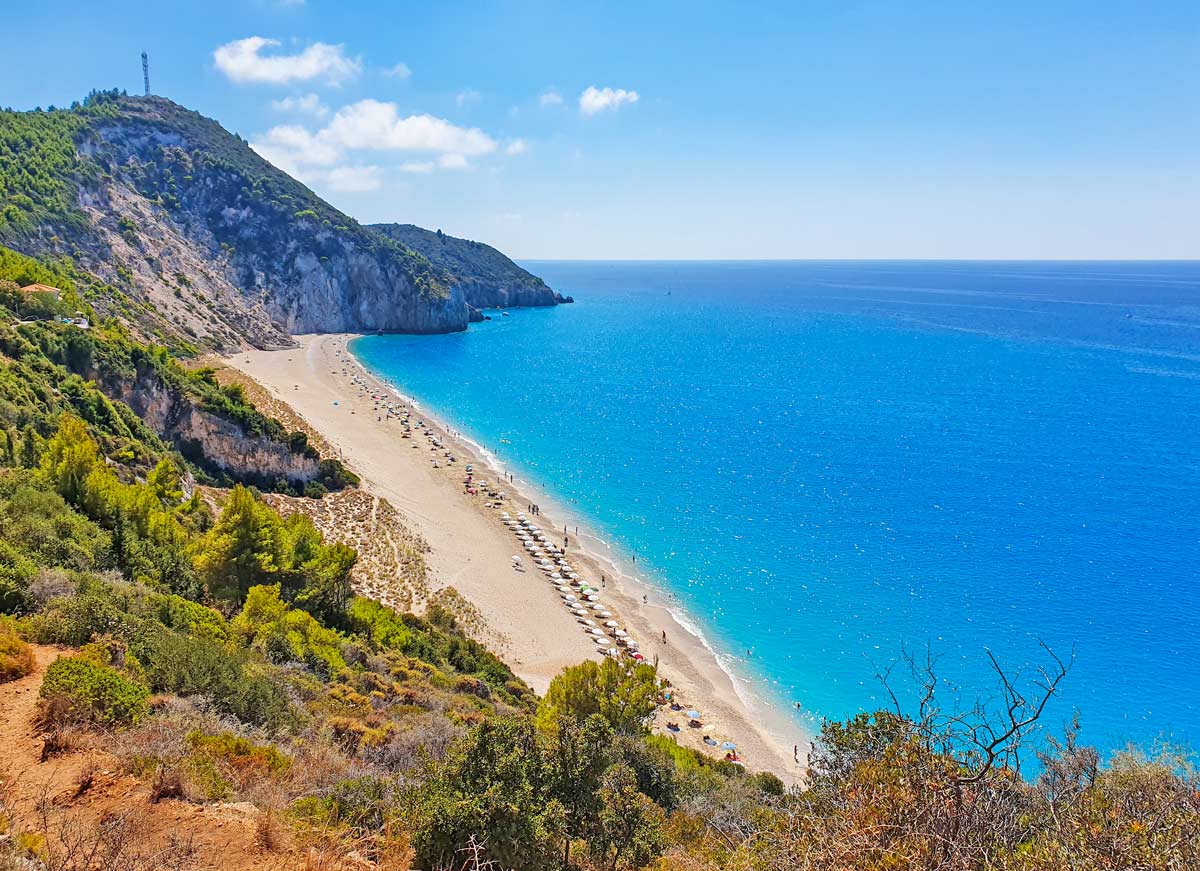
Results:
x,y
471,550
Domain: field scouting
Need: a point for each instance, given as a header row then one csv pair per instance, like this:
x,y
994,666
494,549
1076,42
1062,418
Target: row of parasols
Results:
x,y
579,597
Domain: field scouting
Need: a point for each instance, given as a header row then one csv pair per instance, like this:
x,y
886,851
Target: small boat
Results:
x,y
503,314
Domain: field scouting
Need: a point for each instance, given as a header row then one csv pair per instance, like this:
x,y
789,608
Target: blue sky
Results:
x,y
803,129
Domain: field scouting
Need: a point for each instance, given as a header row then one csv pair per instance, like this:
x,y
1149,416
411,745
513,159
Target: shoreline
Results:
x,y
471,551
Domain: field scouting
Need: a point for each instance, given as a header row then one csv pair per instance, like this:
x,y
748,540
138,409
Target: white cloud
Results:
x,y
595,100
419,167
242,61
370,124
354,178
399,71
551,98
325,156
467,98
309,104
295,145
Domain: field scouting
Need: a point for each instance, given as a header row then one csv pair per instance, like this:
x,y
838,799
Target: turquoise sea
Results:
x,y
827,461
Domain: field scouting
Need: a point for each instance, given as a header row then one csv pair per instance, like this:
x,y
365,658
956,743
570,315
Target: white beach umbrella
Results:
x,y
568,597
592,597
601,640
516,560
610,623
621,633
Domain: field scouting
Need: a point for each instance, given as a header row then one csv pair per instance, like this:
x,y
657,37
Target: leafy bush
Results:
x,y
16,657
79,690
285,634
16,573
187,666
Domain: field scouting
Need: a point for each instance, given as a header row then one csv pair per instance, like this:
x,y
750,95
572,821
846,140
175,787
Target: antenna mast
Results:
x,y
146,72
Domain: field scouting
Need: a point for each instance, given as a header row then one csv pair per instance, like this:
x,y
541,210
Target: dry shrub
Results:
x,y
419,737
16,657
167,783
86,778
267,831
50,584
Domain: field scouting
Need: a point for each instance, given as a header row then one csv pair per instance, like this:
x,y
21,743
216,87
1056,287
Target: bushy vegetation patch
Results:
x,y
77,689
16,656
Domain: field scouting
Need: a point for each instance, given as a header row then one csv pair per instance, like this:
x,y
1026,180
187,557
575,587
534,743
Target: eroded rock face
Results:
x,y
204,242
207,438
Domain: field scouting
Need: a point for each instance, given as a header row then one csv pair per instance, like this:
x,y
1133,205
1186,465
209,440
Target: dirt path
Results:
x,y
71,795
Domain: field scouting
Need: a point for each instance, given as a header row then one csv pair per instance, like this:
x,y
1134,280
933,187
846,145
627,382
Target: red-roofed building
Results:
x,y
42,288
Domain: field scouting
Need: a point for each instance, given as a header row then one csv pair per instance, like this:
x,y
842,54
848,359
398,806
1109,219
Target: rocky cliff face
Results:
x,y
202,240
486,277
208,439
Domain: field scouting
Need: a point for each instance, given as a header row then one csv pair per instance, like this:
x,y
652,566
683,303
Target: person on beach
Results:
x,y
664,636
796,753
644,599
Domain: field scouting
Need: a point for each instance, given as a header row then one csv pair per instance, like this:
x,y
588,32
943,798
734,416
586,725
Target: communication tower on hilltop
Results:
x,y
146,72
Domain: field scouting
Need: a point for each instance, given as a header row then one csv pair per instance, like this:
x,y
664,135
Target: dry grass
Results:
x,y
54,838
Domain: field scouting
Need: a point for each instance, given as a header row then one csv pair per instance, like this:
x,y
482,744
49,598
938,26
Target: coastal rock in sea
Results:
x,y
488,278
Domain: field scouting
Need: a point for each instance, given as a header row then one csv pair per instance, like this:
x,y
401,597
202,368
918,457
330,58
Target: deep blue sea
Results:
x,y
827,461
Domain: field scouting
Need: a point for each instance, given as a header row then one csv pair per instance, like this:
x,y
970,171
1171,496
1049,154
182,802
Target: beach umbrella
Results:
x,y
569,597
587,622
638,657
621,633
728,745
610,623
516,560
693,715
602,641
571,574
591,597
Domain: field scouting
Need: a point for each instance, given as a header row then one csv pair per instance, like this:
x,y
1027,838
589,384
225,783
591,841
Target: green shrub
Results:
x,y
80,690
16,571
186,665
